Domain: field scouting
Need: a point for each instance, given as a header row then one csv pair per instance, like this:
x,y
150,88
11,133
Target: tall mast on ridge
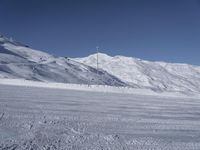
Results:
x,y
97,48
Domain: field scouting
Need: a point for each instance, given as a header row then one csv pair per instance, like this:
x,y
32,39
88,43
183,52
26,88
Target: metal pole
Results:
x,y
97,60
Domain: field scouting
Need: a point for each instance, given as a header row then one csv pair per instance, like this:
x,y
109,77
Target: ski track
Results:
x,y
34,118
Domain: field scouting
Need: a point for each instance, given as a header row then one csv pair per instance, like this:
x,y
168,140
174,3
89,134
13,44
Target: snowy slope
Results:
x,y
33,118
20,61
94,88
158,76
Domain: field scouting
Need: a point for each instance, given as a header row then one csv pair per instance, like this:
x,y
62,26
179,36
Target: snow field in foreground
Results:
x,y
49,118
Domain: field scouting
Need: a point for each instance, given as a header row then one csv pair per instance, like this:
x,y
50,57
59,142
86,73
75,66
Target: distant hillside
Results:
x,y
19,61
158,76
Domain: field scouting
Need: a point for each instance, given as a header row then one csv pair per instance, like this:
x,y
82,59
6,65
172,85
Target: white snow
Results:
x,y
94,88
60,119
17,61
28,53
21,62
159,76
46,102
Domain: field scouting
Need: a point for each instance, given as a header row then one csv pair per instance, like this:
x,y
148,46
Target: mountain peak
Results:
x,y
100,55
3,38
10,40
157,76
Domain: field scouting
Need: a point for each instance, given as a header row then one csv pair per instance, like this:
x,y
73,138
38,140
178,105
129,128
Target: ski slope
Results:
x,y
59,119
94,88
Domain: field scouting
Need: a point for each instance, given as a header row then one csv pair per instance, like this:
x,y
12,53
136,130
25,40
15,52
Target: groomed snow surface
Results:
x,y
35,117
137,104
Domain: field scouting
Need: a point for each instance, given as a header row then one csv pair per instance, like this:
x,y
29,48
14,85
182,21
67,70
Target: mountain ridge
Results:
x,y
157,75
19,61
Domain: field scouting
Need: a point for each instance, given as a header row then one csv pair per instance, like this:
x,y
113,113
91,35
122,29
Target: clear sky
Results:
x,y
167,30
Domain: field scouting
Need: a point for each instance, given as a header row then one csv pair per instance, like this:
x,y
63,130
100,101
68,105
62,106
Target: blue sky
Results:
x,y
166,30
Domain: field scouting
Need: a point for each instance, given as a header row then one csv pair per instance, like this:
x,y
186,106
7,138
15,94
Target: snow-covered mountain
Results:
x,y
158,76
19,61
